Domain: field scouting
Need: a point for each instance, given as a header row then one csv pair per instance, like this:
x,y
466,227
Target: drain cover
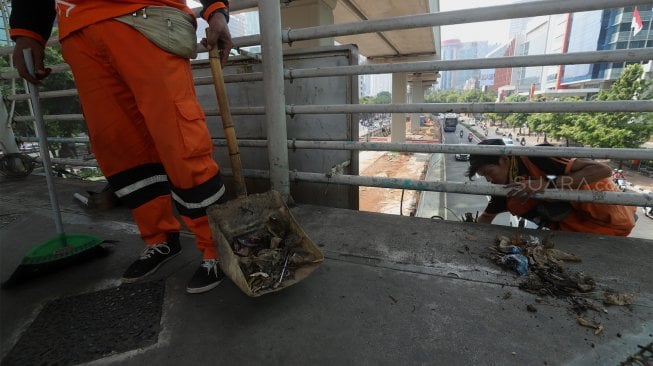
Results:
x,y
87,327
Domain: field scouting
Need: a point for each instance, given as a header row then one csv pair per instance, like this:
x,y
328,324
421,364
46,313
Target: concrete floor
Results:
x,y
392,290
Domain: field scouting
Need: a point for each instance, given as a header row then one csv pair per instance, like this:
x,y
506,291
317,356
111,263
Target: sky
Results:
x,y
495,31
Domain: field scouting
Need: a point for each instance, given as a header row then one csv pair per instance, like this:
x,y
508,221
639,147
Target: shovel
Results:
x,y
267,212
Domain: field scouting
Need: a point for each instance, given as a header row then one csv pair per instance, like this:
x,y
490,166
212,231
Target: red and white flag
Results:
x,y
636,24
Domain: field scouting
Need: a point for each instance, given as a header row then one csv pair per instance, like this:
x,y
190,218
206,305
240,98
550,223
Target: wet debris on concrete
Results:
x,y
590,324
643,357
614,298
544,273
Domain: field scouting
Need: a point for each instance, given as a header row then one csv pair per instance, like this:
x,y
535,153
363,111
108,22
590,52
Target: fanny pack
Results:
x,y
169,28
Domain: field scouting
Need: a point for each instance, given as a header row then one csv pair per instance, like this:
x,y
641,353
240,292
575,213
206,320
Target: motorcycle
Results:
x,y
648,212
619,179
470,137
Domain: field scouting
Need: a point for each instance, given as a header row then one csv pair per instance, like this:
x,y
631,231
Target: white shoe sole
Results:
x,y
199,290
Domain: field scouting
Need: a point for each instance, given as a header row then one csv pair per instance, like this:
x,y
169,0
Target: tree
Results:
x,y
554,125
516,119
383,97
617,129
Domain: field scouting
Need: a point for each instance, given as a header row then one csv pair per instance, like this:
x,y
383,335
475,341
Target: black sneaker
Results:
x,y
206,278
152,258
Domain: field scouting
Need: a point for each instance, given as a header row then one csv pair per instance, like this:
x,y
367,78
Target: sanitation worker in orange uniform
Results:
x,y
530,175
130,61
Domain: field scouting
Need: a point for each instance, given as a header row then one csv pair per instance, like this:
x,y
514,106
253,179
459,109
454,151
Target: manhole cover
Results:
x,y
91,326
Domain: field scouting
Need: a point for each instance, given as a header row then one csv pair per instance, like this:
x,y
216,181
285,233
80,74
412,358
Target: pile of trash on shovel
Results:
x,y
271,255
543,266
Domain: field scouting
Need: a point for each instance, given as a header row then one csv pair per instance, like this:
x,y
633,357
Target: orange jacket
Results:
x,y
33,19
584,217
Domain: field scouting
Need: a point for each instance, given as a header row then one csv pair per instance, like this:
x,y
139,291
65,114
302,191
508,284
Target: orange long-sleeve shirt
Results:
x,y
34,18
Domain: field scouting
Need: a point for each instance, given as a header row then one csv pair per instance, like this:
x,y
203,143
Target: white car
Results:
x,y
508,141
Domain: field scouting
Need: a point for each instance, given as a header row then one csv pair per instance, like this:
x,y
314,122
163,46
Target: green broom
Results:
x,y
65,249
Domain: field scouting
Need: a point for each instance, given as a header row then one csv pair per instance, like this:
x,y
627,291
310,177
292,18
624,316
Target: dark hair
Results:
x,y
477,161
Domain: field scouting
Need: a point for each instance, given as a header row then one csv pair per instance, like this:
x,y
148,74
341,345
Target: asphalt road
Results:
x,y
457,204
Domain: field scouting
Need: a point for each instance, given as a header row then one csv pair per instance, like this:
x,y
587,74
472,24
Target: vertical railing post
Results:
x,y
275,100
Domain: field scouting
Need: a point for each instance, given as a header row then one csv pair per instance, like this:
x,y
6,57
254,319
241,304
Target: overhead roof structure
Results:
x,y
409,44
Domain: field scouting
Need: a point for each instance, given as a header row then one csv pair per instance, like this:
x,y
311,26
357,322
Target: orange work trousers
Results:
x,y
140,106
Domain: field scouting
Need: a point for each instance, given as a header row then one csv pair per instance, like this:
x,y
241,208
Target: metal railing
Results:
x,y
275,108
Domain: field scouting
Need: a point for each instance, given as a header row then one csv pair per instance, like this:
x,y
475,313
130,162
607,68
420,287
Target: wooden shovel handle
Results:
x,y
227,122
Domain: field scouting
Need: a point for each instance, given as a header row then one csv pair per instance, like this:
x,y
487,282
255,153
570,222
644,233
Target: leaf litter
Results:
x,y
545,275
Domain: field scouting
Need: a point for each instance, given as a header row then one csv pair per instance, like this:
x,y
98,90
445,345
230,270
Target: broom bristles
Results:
x,y
26,272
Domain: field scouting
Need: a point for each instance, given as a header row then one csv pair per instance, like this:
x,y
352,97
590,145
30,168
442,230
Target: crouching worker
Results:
x,y
529,175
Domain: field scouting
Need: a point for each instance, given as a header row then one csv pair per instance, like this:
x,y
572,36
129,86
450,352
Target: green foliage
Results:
x,y
49,106
515,119
458,96
494,117
616,129
383,97
555,125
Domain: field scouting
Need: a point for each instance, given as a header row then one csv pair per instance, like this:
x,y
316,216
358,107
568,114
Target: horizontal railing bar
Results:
x,y
581,152
525,107
45,95
630,55
576,58
435,148
52,117
428,148
602,197
463,16
7,75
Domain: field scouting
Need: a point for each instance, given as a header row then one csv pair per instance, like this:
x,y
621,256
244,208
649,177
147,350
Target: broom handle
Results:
x,y
43,142
227,122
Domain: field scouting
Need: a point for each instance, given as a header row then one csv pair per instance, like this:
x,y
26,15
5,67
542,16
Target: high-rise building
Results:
x,y
617,33
454,49
365,85
449,51
495,79
583,35
518,26
598,30
609,29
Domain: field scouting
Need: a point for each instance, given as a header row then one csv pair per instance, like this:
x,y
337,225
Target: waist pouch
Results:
x,y
171,29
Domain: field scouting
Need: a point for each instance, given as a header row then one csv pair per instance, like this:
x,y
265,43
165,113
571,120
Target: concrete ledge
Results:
x,y
393,290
